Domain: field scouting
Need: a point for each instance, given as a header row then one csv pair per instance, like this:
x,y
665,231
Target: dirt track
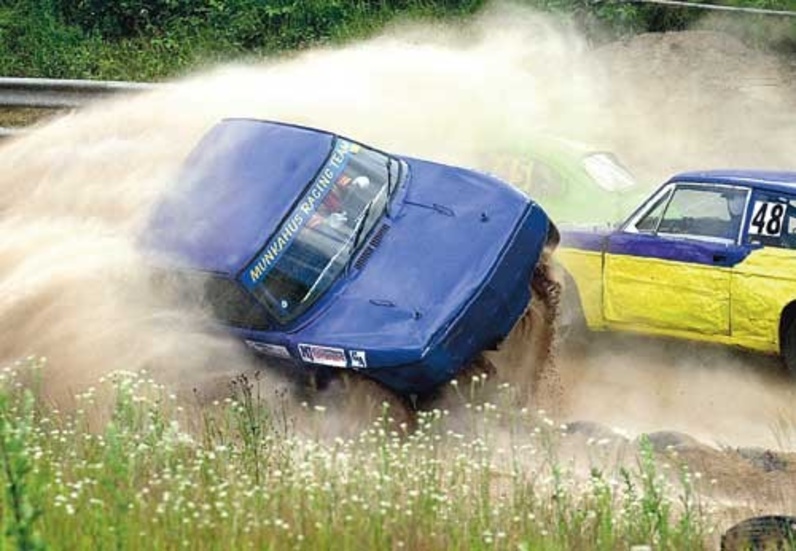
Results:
x,y
699,100
727,415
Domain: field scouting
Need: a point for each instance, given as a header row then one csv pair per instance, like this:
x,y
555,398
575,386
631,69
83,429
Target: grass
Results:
x,y
14,117
148,471
151,41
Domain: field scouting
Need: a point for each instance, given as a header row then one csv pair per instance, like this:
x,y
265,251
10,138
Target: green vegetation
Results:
x,y
151,40
144,471
148,40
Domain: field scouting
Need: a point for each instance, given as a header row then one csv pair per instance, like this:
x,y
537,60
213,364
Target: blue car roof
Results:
x,y
207,221
781,181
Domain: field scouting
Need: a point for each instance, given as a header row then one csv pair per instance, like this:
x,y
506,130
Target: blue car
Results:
x,y
329,255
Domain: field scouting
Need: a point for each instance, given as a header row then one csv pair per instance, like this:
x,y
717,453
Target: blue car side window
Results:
x,y
220,296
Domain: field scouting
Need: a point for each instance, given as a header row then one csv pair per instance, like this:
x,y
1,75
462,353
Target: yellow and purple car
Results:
x,y
710,256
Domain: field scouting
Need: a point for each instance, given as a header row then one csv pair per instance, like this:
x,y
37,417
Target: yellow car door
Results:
x,y
669,269
765,282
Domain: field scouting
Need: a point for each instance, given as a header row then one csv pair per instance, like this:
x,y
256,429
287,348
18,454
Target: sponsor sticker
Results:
x,y
358,358
323,355
269,349
302,213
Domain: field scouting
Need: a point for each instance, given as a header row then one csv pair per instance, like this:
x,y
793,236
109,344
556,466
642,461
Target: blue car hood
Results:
x,y
207,220
446,234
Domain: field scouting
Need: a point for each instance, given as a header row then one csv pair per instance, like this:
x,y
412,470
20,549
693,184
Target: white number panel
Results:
x,y
767,219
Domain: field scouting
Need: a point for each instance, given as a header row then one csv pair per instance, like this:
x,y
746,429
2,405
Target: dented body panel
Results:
x,y
691,270
762,286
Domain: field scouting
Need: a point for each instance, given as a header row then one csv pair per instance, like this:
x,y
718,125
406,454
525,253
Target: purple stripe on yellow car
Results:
x,y
682,250
585,240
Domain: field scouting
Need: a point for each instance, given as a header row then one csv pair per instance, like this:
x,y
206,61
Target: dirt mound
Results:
x,y
699,100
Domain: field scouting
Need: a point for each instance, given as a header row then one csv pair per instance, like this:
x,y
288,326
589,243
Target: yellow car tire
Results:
x,y
788,346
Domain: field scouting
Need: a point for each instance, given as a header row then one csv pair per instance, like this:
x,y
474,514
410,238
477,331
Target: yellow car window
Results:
x,y
705,212
649,222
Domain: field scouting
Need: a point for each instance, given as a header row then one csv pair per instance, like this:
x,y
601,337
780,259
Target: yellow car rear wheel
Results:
x,y
788,345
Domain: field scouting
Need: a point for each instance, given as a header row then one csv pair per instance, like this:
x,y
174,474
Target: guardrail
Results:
x,y
58,94
8,132
46,93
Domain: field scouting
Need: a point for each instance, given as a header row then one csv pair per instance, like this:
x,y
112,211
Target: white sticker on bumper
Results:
x,y
323,355
358,358
269,349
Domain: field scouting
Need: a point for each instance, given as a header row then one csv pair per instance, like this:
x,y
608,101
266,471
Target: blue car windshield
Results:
x,y
324,230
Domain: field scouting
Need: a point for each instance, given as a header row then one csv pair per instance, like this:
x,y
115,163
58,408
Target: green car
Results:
x,y
575,183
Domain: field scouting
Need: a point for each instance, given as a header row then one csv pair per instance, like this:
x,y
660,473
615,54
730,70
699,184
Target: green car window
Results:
x,y
606,170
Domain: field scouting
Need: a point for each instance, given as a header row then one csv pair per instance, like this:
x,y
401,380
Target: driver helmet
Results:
x,y
338,219
736,203
362,182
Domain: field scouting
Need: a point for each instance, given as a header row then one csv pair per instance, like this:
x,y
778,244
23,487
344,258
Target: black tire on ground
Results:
x,y
572,328
767,532
787,345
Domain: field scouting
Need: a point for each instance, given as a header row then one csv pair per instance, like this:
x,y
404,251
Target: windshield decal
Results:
x,y
258,268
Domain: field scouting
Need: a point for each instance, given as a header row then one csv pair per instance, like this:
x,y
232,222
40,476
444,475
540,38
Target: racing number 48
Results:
x,y
767,218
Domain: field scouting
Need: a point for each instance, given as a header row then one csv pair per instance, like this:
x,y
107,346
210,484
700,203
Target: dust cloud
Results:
x,y
719,396
75,192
